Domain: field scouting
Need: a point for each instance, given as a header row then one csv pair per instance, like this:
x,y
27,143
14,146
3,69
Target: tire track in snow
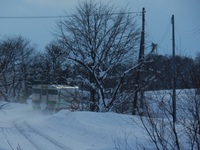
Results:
x,y
40,140
60,145
6,135
25,135
13,139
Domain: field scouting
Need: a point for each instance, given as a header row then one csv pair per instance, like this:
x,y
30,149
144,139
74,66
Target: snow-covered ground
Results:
x,y
22,128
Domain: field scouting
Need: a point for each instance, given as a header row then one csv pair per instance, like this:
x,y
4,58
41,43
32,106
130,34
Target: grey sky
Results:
x,y
158,15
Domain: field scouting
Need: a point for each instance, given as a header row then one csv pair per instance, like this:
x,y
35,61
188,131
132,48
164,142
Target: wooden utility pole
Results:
x,y
140,60
174,71
142,42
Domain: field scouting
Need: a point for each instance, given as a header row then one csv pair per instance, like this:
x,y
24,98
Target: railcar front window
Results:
x,y
36,91
44,92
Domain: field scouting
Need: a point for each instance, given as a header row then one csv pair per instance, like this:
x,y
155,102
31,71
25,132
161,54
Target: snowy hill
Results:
x,y
22,128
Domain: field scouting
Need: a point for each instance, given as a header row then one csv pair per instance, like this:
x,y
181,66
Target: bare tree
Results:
x,y
55,55
99,38
15,57
163,133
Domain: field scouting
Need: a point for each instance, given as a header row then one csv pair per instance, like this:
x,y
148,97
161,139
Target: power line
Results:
x,y
189,34
52,17
196,29
31,17
149,33
165,34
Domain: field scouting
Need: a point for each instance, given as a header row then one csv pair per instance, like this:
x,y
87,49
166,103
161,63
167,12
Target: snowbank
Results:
x,y
76,130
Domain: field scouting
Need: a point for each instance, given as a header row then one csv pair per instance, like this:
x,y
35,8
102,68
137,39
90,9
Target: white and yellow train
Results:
x,y
57,97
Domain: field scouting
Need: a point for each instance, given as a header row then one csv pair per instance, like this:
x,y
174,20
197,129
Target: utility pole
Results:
x,y
140,60
174,71
142,42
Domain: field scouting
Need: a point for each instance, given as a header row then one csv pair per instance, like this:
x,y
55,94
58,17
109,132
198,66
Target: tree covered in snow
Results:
x,y
55,57
100,38
50,67
15,57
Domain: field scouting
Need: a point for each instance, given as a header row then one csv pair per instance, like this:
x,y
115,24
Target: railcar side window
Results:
x,y
53,92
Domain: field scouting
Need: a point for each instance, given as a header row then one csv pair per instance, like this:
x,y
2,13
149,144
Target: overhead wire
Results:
x,y
31,17
151,39
52,17
149,32
189,34
162,38
165,34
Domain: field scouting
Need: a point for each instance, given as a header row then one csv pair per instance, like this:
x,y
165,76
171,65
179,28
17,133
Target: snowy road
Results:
x,y
11,139
17,134
38,139
20,135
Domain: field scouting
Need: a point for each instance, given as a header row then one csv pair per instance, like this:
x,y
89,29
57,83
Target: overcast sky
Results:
x,y
158,21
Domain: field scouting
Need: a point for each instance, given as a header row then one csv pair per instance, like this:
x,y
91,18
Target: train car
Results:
x,y
57,97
